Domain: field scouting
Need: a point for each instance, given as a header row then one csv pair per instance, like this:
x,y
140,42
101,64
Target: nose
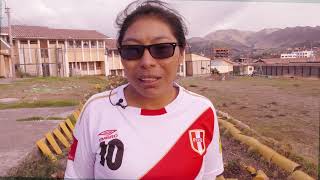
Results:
x,y
147,61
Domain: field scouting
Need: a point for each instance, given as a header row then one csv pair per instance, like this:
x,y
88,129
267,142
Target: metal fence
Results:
x,y
302,70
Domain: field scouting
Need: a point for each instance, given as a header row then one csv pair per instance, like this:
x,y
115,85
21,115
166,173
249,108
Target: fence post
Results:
x,y
310,69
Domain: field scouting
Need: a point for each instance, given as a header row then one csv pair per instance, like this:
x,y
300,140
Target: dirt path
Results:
x,y
18,138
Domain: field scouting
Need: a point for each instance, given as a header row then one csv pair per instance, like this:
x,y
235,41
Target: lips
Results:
x,y
149,79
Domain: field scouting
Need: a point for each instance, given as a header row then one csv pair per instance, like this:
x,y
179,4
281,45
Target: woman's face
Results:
x,y
148,76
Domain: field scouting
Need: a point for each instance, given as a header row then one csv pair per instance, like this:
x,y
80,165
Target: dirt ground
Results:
x,y
17,139
284,109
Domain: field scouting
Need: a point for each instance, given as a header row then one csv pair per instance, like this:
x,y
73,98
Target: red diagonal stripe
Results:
x,y
73,149
181,162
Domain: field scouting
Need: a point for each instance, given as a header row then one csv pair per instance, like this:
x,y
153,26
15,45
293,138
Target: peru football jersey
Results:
x,y
179,141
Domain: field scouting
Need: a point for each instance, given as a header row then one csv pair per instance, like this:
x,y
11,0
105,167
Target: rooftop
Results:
x,y
42,32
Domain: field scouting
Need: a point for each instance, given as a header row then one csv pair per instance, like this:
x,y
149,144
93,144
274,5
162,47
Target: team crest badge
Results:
x,y
196,137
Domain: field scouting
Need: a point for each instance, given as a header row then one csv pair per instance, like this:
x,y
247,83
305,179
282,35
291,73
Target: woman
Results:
x,y
150,128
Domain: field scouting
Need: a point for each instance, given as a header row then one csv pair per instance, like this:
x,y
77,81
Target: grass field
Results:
x,y
52,91
286,110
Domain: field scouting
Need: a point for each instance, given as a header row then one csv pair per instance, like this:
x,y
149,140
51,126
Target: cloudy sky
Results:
x,y
201,17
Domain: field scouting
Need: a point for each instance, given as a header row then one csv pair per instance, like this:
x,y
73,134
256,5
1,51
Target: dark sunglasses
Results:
x,y
157,51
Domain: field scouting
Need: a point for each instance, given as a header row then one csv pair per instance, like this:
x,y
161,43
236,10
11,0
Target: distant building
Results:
x,y
5,63
44,51
221,53
273,61
197,64
305,67
243,66
297,54
222,65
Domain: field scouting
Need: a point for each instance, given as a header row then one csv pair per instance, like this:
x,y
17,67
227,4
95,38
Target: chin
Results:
x,y
150,93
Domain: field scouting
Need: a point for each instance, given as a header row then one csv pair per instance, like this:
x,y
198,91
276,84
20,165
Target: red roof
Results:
x,y
42,32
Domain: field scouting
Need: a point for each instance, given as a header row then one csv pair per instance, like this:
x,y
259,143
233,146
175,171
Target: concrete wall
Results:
x,y
4,66
195,57
196,65
199,67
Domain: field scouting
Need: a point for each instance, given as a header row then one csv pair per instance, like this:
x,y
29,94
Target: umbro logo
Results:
x,y
107,134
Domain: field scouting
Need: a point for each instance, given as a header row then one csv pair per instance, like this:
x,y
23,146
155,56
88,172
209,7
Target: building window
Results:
x,y
113,72
91,66
98,65
70,43
52,42
84,66
60,42
93,44
100,44
44,53
33,42
86,44
109,52
78,44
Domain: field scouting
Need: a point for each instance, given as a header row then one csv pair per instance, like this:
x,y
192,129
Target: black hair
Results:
x,y
152,8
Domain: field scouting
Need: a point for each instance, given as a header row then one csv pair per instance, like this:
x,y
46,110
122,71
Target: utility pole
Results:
x,y
13,72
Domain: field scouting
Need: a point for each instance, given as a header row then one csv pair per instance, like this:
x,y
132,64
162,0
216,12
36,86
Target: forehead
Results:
x,y
148,30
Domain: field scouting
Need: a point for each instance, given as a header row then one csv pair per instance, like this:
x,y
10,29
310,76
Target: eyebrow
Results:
x,y
138,41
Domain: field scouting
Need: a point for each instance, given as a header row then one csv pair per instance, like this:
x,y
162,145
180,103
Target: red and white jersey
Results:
x,y
179,141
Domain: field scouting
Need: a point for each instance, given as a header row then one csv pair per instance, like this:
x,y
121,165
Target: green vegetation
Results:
x,y
34,118
38,118
55,118
42,103
39,166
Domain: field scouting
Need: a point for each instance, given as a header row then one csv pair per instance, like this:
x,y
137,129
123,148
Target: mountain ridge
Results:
x,y
267,38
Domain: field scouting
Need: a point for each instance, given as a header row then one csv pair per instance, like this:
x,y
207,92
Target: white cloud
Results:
x,y
202,16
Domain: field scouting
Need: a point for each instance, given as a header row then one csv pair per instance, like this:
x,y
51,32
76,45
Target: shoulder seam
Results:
x,y
196,95
93,99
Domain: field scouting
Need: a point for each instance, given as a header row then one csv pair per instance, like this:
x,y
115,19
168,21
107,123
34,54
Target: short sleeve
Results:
x,y
81,158
213,162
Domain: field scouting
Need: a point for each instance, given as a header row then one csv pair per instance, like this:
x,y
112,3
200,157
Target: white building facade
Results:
x,y
297,54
